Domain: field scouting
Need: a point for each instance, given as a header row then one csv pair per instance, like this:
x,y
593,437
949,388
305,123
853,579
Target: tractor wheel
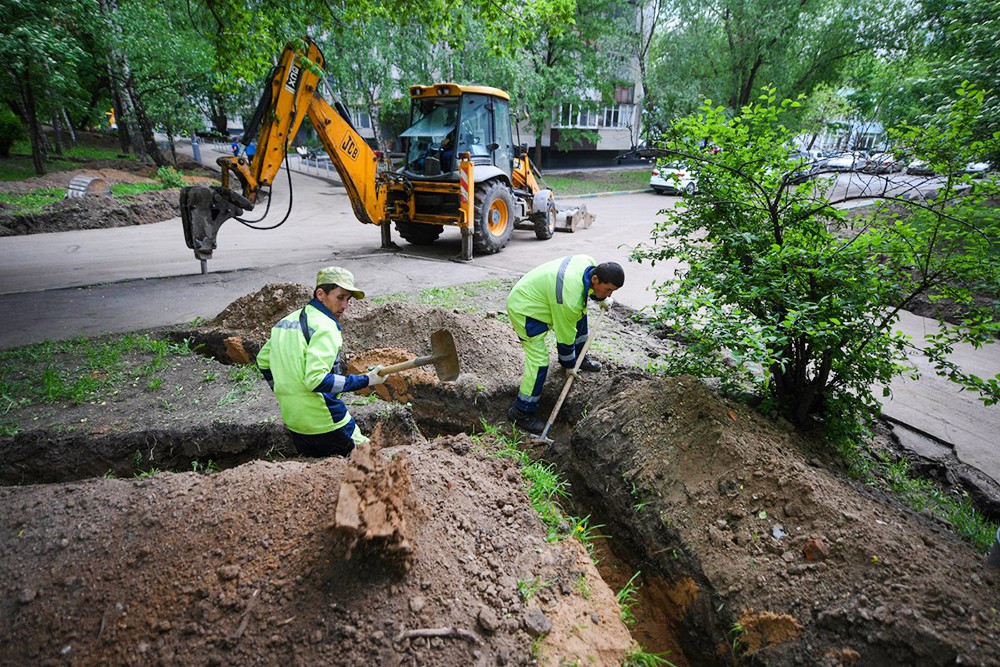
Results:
x,y
494,219
419,234
545,223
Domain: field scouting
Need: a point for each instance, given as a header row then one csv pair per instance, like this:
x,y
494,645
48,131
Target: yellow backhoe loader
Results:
x,y
460,165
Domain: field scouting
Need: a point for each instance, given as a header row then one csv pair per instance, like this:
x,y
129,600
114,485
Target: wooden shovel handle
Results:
x,y
407,365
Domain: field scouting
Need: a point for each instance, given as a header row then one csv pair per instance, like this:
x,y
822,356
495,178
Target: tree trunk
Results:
x,y
27,102
57,133
170,141
69,126
538,150
145,126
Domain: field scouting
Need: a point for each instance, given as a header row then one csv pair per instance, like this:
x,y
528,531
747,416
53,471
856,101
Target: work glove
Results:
x,y
607,303
374,378
573,371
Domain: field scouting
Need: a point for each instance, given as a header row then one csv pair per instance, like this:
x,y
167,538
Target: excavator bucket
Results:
x,y
572,219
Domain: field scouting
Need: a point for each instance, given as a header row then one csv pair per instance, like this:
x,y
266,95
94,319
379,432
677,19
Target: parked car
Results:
x,y
673,178
884,163
919,168
847,161
977,169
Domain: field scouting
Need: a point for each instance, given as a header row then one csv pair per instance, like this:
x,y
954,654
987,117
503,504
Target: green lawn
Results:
x,y
598,180
18,166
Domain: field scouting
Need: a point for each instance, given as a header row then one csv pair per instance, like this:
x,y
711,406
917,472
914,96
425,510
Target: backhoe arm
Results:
x,y
290,94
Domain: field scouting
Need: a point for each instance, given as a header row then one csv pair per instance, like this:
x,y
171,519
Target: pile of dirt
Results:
x,y
247,566
98,212
754,547
807,566
95,213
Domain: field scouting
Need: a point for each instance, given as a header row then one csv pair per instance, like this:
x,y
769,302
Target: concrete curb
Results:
x,y
613,193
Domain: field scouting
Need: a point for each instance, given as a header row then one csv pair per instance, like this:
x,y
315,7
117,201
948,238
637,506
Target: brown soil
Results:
x,y
98,212
754,547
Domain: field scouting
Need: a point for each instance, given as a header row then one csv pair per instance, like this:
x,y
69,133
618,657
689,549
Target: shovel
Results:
x,y
443,355
543,437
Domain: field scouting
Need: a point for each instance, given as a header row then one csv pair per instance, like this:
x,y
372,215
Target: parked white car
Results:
x,y
673,178
919,168
977,169
851,161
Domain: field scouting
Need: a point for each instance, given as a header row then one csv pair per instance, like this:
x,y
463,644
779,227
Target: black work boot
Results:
x,y
590,365
526,421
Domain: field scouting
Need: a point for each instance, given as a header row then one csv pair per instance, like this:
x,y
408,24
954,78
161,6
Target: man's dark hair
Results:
x,y
329,287
610,272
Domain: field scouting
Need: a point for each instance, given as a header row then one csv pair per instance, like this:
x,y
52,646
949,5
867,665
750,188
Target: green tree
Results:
x,y
781,279
727,49
40,44
168,61
963,44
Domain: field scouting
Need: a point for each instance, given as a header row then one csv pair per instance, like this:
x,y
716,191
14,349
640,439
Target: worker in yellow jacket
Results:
x,y
302,363
555,296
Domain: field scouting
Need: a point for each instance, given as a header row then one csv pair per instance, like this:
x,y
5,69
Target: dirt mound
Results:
x,y
245,567
99,212
95,213
489,353
251,316
765,526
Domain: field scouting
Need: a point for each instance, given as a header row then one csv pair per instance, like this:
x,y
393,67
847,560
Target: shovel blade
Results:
x,y
445,355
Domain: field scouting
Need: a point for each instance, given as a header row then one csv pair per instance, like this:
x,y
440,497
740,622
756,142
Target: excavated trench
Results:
x,y
669,621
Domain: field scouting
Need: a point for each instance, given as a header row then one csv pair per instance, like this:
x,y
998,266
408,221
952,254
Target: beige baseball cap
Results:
x,y
341,277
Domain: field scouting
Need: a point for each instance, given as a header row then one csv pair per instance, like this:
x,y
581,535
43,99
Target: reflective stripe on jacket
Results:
x,y
554,294
302,357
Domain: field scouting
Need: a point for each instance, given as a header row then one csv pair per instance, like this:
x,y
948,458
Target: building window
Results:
x,y
360,118
593,118
625,94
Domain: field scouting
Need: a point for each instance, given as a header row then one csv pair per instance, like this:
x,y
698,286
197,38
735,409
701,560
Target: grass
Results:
x,y
90,370
599,180
544,486
18,166
637,657
627,597
246,380
881,469
37,200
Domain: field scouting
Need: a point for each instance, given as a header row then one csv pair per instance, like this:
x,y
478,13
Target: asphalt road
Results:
x,y
61,285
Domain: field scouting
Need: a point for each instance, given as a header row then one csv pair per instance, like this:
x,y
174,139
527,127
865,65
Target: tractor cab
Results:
x,y
447,120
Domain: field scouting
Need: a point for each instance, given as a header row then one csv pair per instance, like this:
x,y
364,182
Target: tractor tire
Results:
x,y
545,223
419,234
494,217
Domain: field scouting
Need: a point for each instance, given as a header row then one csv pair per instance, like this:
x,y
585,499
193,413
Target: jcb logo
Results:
x,y
292,82
350,147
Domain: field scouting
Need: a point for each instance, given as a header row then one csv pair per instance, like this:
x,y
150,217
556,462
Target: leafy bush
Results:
x,y
777,278
170,177
11,130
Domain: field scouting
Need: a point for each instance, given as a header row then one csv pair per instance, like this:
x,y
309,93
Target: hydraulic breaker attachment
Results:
x,y
203,210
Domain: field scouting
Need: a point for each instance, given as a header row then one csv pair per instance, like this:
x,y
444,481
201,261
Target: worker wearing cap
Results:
x,y
554,296
301,361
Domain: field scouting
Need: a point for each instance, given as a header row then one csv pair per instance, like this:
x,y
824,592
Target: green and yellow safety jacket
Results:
x,y
301,361
554,295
